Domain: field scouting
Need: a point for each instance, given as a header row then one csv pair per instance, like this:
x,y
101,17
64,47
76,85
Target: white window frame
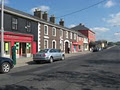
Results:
x,y
61,33
44,30
44,43
52,31
61,45
14,23
71,35
74,36
55,43
66,34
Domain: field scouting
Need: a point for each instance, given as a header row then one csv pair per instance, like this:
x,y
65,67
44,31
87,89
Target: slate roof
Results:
x,y
81,27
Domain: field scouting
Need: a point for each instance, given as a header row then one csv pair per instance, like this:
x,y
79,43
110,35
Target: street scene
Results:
x,y
88,71
59,45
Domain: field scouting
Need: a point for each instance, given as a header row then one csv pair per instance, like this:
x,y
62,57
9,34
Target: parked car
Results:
x,y
5,64
48,55
95,49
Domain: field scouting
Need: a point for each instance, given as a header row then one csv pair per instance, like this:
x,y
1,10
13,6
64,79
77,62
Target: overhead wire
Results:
x,y
81,9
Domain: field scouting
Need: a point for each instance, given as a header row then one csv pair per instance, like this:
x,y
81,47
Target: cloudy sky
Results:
x,y
103,19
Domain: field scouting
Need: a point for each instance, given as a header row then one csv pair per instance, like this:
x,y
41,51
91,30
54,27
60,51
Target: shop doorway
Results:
x,y
22,49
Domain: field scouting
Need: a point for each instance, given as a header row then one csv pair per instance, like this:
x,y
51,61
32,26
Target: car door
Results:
x,y
52,53
59,54
56,54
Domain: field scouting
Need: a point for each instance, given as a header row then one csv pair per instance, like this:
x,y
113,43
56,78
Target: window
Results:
x,y
53,31
66,34
79,47
45,30
28,26
45,44
74,36
53,44
28,47
61,32
7,48
71,35
14,23
61,45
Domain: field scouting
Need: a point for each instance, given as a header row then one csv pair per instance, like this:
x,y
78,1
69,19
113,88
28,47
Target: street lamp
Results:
x,y
2,28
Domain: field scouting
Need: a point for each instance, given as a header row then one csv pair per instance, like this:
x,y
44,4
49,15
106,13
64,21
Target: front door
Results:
x,y
66,47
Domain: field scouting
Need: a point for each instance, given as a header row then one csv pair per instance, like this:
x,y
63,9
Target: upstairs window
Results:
x,y
66,34
14,23
45,30
61,33
74,36
71,35
28,26
53,31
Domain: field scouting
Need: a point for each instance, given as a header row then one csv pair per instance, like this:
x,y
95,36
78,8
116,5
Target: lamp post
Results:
x,y
2,28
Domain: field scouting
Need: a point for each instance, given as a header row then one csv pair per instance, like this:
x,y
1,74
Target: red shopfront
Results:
x,y
24,44
75,46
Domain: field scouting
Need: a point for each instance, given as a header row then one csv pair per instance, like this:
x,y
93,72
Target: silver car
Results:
x,y
48,55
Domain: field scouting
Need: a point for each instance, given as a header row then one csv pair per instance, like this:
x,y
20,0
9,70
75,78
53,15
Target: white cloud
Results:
x,y
117,34
72,25
114,19
43,8
109,4
5,1
100,29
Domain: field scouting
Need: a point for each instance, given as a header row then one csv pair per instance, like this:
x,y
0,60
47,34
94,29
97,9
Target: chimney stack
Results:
x,y
61,22
52,19
45,15
38,13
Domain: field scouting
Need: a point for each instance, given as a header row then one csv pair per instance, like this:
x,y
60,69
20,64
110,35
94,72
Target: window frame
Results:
x,y
54,31
14,23
61,33
44,29
28,26
44,43
71,35
66,34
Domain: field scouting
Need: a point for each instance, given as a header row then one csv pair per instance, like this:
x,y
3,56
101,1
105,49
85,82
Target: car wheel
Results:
x,y
5,68
63,57
51,59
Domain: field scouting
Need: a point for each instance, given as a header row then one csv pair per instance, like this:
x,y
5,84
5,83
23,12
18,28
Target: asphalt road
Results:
x,y
93,71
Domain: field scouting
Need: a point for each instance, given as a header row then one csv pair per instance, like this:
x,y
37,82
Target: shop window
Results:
x,y
14,23
28,48
17,47
79,47
7,48
28,26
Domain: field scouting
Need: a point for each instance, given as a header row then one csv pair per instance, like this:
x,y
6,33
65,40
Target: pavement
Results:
x,y
24,60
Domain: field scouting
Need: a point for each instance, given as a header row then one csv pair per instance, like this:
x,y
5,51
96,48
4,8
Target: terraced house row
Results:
x,y
31,33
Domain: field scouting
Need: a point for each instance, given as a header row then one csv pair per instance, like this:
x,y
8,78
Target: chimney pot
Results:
x,y
45,15
38,13
52,19
61,22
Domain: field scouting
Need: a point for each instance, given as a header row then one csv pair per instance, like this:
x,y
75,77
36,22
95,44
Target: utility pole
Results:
x,y
2,28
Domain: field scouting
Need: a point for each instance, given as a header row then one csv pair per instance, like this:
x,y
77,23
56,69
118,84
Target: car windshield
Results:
x,y
43,51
